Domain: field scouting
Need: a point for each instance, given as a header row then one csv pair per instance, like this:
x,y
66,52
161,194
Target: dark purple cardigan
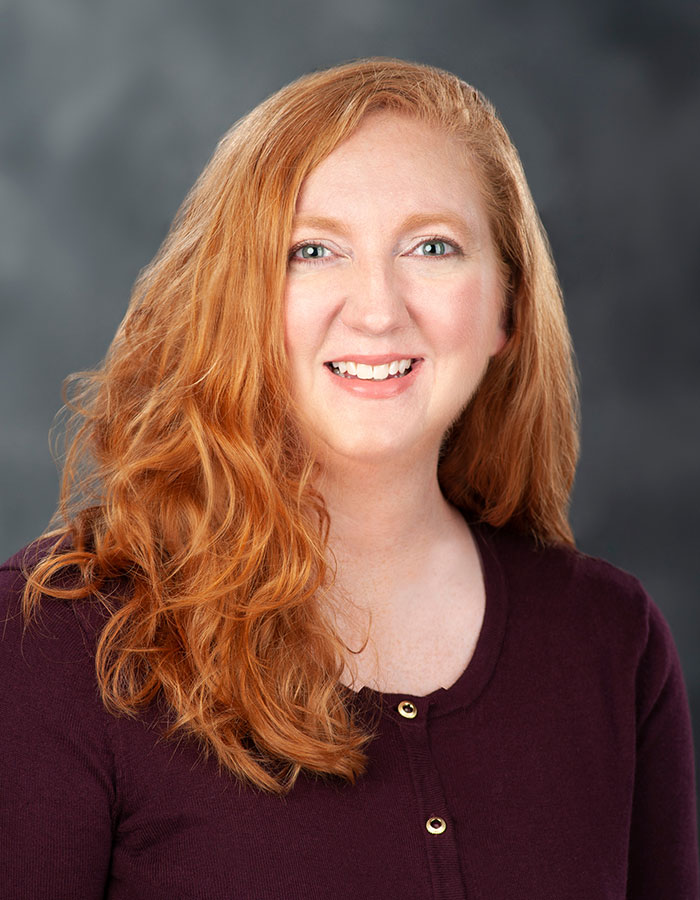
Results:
x,y
558,767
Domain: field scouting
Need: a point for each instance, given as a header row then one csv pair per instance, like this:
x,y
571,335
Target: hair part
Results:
x,y
188,504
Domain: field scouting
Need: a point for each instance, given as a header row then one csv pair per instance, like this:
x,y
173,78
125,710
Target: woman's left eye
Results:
x,y
435,247
310,252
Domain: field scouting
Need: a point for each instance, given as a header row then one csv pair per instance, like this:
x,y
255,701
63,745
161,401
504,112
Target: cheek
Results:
x,y
298,322
466,320
308,311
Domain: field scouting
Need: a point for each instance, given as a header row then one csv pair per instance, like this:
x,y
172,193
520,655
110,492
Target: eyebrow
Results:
x,y
321,223
440,216
410,223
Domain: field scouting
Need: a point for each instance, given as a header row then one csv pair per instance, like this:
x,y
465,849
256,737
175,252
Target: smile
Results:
x,y
397,368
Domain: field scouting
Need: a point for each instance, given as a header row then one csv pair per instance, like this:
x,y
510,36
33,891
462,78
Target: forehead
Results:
x,y
394,162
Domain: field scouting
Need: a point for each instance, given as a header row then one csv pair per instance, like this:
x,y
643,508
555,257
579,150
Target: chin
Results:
x,y
370,448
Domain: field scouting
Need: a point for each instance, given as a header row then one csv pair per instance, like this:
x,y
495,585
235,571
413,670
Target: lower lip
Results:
x,y
376,390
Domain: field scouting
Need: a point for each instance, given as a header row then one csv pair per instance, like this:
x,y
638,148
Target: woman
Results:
x,y
311,622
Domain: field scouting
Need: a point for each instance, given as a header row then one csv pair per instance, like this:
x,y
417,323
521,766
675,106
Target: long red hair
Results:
x,y
185,476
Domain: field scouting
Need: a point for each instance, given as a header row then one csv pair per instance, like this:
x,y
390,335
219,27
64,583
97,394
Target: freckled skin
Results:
x,y
380,206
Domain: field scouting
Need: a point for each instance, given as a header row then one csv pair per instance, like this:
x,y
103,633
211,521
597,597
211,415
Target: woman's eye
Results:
x,y
434,247
310,252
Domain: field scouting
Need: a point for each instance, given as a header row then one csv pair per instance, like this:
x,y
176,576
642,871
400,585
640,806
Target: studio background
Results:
x,y
111,110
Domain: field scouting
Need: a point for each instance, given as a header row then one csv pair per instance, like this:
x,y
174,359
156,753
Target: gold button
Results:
x,y
408,710
436,825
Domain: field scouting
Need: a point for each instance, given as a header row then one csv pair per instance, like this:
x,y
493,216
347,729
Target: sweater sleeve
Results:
x,y
663,855
57,775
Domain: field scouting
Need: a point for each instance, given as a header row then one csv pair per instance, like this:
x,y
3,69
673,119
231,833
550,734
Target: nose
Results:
x,y
374,303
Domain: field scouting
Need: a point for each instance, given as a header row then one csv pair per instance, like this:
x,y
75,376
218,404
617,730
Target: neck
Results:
x,y
387,523
405,562
380,510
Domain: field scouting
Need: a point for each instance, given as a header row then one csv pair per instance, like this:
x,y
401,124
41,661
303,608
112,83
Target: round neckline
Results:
x,y
480,668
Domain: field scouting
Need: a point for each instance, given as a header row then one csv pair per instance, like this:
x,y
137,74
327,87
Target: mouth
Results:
x,y
397,368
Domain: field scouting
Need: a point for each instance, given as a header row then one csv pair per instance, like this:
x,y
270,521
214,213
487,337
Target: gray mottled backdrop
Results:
x,y
110,110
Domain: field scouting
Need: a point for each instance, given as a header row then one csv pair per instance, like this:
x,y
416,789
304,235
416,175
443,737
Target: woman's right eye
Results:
x,y
309,252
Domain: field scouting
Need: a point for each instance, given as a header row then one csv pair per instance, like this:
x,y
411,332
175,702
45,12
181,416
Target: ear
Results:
x,y
502,329
505,318
500,337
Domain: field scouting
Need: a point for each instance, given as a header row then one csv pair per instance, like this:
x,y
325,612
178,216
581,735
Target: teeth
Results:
x,y
395,368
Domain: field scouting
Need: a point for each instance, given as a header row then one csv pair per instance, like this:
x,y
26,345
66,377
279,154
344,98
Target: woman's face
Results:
x,y
391,261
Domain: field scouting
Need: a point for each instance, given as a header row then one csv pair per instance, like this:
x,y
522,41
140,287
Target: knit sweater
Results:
x,y
559,765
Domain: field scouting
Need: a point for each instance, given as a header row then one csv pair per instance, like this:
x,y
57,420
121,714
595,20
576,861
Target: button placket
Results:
x,y
412,717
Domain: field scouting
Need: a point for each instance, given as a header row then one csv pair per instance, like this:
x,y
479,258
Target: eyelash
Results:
x,y
438,239
429,240
299,246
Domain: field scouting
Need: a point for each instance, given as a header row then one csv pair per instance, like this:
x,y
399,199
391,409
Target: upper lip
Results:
x,y
379,360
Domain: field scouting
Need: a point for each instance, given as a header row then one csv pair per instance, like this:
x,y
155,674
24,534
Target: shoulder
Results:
x,y
589,627
581,600
559,568
85,617
58,740
50,658
50,698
